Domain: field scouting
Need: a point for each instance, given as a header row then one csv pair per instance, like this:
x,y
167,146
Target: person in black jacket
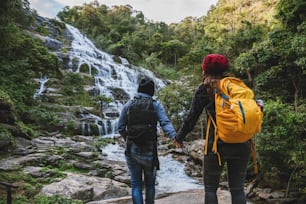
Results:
x,y
236,156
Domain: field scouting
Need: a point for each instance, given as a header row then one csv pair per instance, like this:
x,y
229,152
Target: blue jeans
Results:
x,y
236,156
140,162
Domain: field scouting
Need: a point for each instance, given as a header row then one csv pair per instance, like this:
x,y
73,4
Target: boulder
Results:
x,y
86,188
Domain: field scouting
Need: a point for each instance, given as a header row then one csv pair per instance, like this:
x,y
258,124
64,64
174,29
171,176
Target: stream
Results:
x,y
170,178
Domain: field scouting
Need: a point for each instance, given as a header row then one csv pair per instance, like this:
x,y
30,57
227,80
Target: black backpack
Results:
x,y
142,120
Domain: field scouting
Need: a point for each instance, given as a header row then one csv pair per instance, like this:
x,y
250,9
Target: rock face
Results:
x,y
86,188
7,112
53,44
37,158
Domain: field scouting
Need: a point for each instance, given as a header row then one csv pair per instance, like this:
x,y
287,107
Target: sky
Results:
x,y
168,11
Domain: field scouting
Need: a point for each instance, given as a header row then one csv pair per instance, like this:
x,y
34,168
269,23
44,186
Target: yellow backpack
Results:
x,y
238,117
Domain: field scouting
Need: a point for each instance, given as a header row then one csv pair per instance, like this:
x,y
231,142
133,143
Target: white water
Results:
x,y
112,75
42,81
117,81
170,178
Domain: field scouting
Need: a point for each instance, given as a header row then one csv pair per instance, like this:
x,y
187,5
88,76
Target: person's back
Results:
x,y
142,121
236,155
138,126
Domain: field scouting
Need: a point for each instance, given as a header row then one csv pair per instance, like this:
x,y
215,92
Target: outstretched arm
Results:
x,y
164,121
199,101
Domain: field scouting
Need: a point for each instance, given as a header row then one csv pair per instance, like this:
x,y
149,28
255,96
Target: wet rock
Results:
x,y
53,44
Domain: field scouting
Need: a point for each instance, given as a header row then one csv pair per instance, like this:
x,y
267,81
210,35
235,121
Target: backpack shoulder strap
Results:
x,y
235,88
215,144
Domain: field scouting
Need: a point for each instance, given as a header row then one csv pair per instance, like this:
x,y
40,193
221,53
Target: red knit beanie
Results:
x,y
215,64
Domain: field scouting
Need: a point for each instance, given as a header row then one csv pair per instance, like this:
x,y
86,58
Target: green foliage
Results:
x,y
72,82
41,199
6,137
166,72
102,142
43,30
291,13
273,84
172,50
18,67
26,130
15,11
42,117
279,65
73,89
84,68
281,142
102,99
7,104
152,61
176,101
229,16
193,59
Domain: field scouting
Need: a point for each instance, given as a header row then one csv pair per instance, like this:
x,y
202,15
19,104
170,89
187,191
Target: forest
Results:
x,y
265,41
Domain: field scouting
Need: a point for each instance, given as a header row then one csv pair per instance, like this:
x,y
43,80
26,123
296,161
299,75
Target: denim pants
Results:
x,y
236,157
140,163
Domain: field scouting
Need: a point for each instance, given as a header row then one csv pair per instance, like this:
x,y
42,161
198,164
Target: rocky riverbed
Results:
x,y
79,168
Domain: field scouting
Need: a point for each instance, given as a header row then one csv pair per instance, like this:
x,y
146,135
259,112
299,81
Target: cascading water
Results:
x,y
114,80
42,81
119,82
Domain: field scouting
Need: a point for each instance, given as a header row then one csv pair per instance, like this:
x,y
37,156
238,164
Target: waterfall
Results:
x,y
42,81
114,77
118,80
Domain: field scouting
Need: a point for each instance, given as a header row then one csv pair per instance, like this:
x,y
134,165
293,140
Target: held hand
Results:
x,y
178,144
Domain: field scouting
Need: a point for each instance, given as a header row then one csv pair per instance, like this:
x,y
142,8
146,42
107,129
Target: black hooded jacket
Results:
x,y
201,100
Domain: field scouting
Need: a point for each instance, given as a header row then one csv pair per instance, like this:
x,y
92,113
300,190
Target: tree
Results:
x,y
291,13
172,50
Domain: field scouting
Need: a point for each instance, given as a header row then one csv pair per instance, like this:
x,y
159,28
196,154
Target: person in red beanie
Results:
x,y
236,155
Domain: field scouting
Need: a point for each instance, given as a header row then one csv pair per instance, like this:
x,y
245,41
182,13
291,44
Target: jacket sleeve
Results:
x,y
199,101
164,121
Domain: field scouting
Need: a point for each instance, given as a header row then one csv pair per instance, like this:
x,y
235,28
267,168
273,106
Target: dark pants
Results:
x,y
141,163
236,156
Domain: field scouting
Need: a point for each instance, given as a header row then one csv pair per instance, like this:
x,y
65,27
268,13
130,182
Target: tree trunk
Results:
x,y
250,79
296,92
